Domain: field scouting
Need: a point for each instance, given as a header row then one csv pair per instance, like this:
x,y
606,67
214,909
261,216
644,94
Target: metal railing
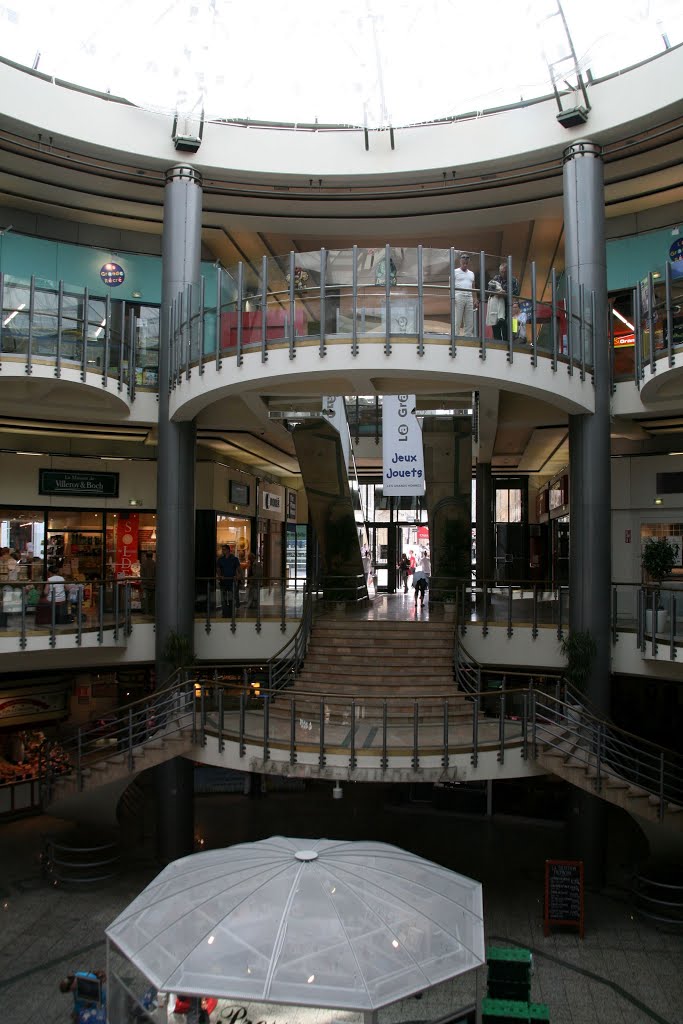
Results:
x,y
96,607
382,295
168,712
64,326
113,607
79,863
560,718
254,707
657,329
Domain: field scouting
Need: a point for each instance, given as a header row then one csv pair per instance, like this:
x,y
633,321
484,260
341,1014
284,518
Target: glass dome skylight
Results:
x,y
376,63
348,925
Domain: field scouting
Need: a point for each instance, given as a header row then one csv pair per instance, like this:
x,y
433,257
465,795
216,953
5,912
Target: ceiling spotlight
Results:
x,y
659,501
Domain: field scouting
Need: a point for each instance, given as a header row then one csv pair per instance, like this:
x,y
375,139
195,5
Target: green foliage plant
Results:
x,y
579,650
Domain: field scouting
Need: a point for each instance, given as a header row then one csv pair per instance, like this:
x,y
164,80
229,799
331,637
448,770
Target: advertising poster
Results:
x,y
402,453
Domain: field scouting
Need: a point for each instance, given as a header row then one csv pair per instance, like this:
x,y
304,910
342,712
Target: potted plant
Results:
x,y
579,650
658,558
178,652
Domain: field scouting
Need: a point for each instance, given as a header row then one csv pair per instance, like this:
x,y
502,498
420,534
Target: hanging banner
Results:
x,y
336,410
126,543
402,454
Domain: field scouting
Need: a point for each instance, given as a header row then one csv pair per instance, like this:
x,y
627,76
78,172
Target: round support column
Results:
x,y
589,435
589,464
175,585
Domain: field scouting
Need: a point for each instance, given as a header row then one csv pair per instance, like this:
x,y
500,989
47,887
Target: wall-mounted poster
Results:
x,y
239,493
291,505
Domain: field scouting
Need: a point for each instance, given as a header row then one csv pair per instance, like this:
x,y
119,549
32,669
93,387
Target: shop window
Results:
x,y
23,533
235,532
130,535
674,534
75,544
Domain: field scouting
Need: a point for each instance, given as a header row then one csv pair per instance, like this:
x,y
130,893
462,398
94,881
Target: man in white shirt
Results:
x,y
466,300
55,590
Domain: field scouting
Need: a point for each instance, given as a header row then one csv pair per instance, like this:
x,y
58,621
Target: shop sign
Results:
x,y
73,483
402,452
272,502
291,505
126,543
31,706
112,274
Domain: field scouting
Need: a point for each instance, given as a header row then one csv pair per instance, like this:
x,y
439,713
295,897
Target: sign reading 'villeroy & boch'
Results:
x,y
402,453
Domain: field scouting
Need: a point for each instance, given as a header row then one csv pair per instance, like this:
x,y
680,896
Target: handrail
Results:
x,y
88,606
588,735
165,712
287,724
536,606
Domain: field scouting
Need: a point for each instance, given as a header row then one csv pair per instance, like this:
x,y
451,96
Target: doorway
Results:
x,y
383,551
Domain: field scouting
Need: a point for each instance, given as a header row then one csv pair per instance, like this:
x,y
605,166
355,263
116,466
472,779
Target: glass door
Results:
x,y
297,550
383,551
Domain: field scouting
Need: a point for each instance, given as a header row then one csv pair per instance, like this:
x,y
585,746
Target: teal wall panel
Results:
x,y
79,267
631,259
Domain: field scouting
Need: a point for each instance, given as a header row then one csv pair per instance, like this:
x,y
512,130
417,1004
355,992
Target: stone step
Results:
x,y
380,657
637,794
358,686
402,680
377,651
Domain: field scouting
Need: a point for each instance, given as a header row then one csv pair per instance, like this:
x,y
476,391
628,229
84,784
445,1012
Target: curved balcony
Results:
x,y
378,317
52,331
647,358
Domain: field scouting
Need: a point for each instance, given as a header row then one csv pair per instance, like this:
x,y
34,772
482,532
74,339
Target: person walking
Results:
x,y
421,579
404,569
228,573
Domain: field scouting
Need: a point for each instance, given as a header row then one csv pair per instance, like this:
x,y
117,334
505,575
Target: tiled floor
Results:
x,y
623,972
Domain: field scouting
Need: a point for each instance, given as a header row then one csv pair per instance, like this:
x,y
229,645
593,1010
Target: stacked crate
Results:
x,y
509,989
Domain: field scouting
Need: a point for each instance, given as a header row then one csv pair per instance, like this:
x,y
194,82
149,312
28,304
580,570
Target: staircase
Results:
x,y
107,774
376,661
569,738
571,756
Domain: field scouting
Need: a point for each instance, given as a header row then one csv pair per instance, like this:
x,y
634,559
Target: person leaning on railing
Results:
x,y
500,329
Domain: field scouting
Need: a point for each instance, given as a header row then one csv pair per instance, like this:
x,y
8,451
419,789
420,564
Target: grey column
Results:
x,y
589,465
181,251
589,435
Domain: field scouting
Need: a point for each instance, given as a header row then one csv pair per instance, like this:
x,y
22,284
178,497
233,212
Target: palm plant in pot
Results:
x,y
579,650
658,559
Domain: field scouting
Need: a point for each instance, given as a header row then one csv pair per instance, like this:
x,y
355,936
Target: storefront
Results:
x,y
29,712
236,532
79,544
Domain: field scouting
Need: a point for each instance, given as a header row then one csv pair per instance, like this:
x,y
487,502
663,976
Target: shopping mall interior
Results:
x,y
340,418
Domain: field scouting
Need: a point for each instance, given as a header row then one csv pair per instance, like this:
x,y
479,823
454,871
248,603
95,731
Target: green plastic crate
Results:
x,y
539,1012
503,988
509,965
504,1011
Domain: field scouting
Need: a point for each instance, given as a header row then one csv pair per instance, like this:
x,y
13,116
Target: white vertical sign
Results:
x,y
335,405
402,454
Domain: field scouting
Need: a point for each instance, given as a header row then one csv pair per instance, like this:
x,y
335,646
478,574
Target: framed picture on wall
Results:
x,y
239,493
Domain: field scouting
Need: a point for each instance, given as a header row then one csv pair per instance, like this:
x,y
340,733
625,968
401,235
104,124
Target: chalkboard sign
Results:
x,y
564,894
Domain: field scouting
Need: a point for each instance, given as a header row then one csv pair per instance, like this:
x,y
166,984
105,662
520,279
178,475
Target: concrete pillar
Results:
x,y
589,462
181,251
181,248
589,435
